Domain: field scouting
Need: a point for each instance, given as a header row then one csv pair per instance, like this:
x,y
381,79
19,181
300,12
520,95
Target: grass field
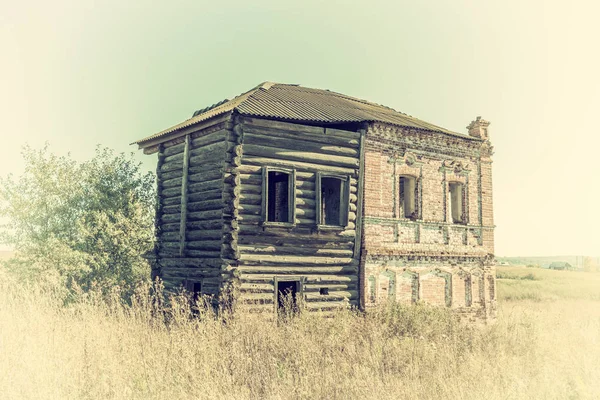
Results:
x,y
545,344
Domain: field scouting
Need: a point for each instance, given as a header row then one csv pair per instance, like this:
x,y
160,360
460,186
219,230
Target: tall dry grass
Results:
x,y
102,349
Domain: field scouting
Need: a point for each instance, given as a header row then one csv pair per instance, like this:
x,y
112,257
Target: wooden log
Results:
x,y
206,224
297,269
182,262
311,133
299,143
165,227
205,205
174,149
170,201
247,259
218,147
332,296
287,163
204,245
204,176
169,183
204,167
306,214
204,253
171,192
170,166
171,218
250,209
171,175
250,198
205,215
204,234
303,156
359,196
213,194
206,186
209,138
290,251
313,241
320,279
174,209
184,195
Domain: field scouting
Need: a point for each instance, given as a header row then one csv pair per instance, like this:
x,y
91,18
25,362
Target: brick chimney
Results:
x,y
479,128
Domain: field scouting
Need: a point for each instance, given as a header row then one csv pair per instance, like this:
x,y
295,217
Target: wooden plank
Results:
x,y
174,149
205,215
279,126
184,195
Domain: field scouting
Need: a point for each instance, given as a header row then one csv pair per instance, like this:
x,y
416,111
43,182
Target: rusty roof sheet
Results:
x,y
301,104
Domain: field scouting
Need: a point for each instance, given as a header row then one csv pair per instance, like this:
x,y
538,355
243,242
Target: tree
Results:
x,y
79,223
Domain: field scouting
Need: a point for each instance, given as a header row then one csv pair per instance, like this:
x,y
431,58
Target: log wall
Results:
x,y
319,258
191,213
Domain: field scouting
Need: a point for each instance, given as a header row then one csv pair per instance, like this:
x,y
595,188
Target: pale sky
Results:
x,y
82,73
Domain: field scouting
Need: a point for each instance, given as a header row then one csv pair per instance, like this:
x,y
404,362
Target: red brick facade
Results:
x,y
440,253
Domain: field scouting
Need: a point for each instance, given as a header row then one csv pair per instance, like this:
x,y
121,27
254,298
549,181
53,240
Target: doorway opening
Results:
x,y
287,297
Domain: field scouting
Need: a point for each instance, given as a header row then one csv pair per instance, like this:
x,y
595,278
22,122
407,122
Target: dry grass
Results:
x,y
537,349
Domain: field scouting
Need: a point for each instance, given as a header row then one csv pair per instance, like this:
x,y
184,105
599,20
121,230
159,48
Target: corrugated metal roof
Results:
x,y
301,104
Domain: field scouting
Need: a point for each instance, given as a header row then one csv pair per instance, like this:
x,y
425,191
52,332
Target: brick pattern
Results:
x,y
437,261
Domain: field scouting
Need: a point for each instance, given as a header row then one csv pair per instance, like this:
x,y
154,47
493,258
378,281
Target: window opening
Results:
x,y
408,196
457,202
287,296
278,197
324,291
331,201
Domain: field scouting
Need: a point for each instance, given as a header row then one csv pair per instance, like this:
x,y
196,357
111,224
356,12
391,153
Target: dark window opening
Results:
x,y
457,206
194,289
324,291
408,197
331,201
278,197
287,296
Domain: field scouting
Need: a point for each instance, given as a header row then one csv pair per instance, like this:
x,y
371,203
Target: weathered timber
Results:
x,y
184,196
210,224
286,250
298,143
205,215
207,185
212,194
170,166
218,148
205,205
289,155
284,163
209,138
294,269
359,197
320,279
169,183
204,244
172,227
174,149
276,260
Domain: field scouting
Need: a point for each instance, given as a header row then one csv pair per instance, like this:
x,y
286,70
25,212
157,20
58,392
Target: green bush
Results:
x,y
74,224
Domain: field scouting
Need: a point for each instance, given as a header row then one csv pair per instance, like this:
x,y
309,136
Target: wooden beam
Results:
x,y
184,195
359,196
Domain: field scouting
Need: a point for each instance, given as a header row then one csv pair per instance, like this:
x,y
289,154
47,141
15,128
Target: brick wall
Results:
x,y
437,261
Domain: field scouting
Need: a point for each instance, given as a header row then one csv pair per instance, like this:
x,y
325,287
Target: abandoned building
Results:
x,y
339,201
